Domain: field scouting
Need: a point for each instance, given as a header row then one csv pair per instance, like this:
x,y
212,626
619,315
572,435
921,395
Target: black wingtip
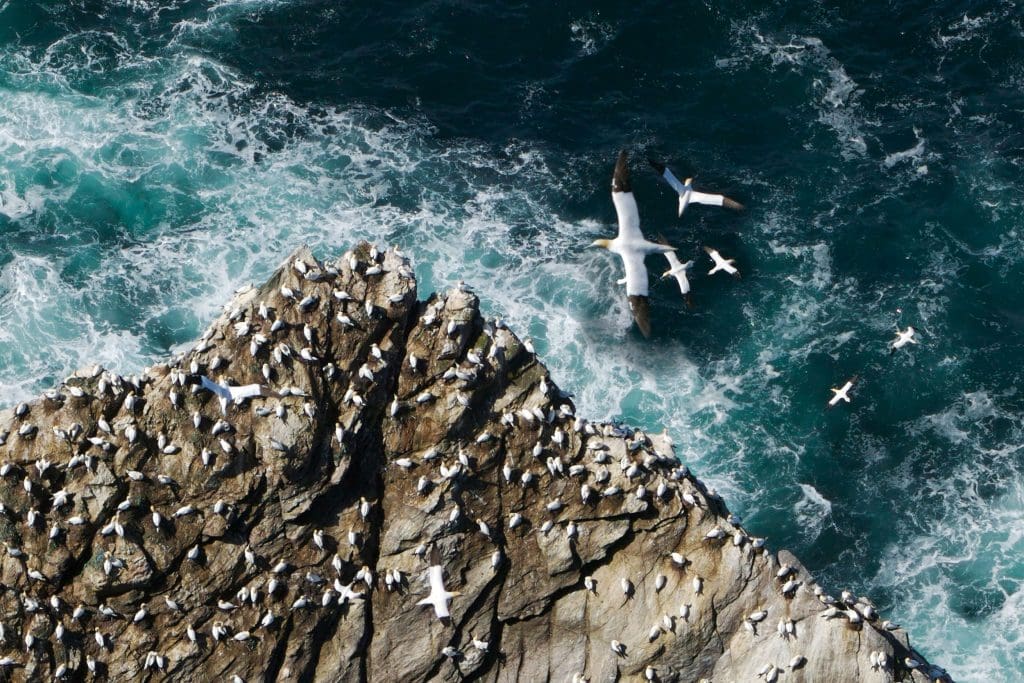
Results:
x,y
641,310
620,180
656,165
435,556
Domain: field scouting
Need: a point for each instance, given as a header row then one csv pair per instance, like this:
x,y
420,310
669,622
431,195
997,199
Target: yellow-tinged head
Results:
x,y
603,243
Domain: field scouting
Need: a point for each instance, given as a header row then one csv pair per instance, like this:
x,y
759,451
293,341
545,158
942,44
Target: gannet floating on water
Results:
x,y
439,595
234,394
902,339
843,393
687,195
630,245
721,263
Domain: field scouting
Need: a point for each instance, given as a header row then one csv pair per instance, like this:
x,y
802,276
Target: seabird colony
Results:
x,y
141,481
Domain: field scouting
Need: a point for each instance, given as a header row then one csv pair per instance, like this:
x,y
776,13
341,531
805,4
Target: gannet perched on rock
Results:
x,y
229,394
439,595
630,245
842,393
687,195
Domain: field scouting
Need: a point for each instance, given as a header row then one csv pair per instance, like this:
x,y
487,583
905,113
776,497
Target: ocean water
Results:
x,y
157,154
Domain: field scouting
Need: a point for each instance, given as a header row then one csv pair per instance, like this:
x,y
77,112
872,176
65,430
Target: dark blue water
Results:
x,y
155,155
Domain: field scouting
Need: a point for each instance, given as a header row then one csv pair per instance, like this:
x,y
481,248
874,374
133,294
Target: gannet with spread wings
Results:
x,y
677,270
630,245
234,394
687,195
439,595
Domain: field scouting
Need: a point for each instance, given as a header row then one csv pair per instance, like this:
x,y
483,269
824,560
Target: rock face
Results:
x,y
149,534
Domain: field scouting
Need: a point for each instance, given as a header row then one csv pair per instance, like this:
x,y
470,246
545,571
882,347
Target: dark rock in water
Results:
x,y
395,427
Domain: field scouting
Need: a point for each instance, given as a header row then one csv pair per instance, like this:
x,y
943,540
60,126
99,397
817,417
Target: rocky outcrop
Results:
x,y
150,534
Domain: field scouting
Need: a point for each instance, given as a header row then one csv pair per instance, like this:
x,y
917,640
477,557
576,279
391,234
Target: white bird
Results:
x,y
843,393
232,394
678,270
439,595
902,339
630,245
687,195
721,263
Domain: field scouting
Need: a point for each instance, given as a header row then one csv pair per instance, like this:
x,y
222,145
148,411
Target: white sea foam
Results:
x,y
590,35
812,511
836,95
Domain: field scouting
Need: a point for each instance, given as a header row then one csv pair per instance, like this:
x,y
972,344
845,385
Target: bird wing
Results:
x,y
676,184
219,389
625,202
636,273
620,178
639,306
673,260
715,200
244,392
629,216
684,283
436,575
705,198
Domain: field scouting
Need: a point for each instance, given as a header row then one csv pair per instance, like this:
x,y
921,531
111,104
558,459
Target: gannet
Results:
x,y
728,265
687,195
841,394
630,245
902,339
229,394
439,595
677,270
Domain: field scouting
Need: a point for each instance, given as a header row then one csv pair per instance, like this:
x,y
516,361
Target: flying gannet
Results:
x,y
728,265
843,393
677,270
630,245
902,339
439,595
234,394
687,195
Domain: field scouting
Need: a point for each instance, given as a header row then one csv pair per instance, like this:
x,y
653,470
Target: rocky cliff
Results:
x,y
151,532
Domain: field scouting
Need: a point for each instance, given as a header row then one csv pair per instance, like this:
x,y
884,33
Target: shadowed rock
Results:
x,y
397,426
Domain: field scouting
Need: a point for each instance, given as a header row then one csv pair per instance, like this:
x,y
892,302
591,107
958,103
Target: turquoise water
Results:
x,y
155,155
